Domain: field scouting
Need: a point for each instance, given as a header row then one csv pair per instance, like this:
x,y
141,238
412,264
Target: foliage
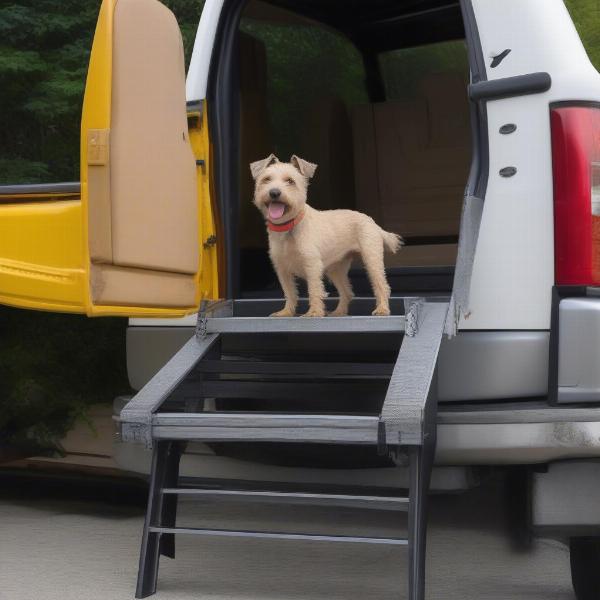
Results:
x,y
310,54
402,70
44,52
586,16
52,367
43,61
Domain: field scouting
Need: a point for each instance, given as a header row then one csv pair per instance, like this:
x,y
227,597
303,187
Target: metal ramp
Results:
x,y
356,380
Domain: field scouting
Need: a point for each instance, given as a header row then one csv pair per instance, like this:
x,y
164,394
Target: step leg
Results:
x,y
420,465
169,502
150,551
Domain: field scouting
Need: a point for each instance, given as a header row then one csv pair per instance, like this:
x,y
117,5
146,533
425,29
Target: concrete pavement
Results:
x,y
55,548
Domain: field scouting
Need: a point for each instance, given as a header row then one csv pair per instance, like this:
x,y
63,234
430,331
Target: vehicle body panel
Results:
x,y
513,272
51,254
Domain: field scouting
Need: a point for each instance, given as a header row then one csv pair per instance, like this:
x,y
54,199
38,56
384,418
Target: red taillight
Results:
x,y
576,170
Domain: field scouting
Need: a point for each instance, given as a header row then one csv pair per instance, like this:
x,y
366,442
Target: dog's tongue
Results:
x,y
276,210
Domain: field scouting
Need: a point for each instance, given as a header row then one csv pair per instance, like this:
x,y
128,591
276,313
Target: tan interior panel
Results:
x,y
153,193
421,160
327,141
121,286
365,161
99,212
425,255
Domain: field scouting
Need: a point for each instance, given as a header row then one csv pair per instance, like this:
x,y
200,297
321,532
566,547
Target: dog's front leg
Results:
x,y
290,291
316,289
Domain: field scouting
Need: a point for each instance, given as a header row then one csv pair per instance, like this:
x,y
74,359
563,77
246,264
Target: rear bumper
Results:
x,y
576,347
516,443
480,365
521,433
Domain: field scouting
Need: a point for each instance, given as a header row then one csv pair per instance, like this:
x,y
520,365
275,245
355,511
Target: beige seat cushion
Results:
x,y
153,172
122,286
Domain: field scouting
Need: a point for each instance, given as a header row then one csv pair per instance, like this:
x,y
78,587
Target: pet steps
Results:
x,y
246,377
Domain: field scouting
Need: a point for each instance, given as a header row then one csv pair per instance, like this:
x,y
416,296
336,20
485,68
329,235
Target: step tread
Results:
x,y
281,535
353,324
347,500
266,427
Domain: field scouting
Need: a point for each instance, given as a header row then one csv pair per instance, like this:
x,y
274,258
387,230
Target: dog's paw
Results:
x,y
338,313
313,312
381,311
284,312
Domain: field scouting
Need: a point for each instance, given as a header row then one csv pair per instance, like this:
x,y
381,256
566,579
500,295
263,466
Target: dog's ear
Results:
x,y
256,168
306,168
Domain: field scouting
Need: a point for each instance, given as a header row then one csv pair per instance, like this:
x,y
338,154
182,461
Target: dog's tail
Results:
x,y
392,241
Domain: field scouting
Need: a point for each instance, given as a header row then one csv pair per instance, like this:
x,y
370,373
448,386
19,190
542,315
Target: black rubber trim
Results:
x,y
580,103
224,115
476,59
430,240
480,160
510,87
499,58
71,187
508,171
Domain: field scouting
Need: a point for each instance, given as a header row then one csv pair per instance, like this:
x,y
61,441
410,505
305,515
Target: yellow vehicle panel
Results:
x,y
48,259
40,255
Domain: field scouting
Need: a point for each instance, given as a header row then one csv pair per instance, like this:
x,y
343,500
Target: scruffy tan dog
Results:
x,y
309,243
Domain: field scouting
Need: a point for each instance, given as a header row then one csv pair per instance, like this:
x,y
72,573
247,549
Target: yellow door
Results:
x,y
136,240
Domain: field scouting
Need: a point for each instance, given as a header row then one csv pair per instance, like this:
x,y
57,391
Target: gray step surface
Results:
x,y
357,324
307,537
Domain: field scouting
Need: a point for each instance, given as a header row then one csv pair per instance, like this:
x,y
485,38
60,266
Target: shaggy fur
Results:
x,y
320,242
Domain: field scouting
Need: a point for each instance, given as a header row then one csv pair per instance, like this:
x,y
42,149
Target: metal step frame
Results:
x,y
404,427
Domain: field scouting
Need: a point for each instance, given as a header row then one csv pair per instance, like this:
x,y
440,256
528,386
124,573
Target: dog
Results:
x,y
310,244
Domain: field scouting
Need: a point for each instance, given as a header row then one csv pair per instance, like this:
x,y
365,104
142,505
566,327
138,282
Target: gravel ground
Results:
x,y
72,540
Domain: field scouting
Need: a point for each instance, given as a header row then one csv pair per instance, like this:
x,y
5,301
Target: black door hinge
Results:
x,y
210,241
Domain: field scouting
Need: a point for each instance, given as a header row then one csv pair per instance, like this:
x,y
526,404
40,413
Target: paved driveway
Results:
x,y
53,547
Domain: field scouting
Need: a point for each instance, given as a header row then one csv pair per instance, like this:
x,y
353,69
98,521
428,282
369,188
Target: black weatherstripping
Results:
x,y
71,187
224,118
510,87
420,240
480,161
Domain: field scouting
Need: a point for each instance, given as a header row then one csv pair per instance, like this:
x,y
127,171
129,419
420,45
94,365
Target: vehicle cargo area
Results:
x,y
387,125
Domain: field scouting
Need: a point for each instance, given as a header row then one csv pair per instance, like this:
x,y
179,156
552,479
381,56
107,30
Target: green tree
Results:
x,y
44,49
52,367
44,53
586,16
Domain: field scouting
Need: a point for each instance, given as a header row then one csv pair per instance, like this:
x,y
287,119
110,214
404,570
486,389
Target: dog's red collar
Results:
x,y
287,226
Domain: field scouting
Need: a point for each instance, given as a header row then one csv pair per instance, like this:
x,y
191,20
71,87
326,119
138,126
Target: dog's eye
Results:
x,y
266,179
290,181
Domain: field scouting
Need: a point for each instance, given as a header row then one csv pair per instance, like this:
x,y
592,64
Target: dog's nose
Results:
x,y
274,193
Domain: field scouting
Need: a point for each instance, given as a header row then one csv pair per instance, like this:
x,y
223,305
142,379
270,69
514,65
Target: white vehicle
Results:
x,y
519,384
472,129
